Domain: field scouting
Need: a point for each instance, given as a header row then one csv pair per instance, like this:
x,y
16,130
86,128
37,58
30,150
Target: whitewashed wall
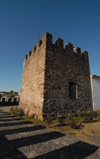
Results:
x,y
96,93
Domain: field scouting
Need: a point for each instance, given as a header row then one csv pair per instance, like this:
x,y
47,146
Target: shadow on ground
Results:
x,y
77,150
9,148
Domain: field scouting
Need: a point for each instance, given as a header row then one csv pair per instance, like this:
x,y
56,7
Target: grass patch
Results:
x,y
10,113
71,133
71,122
16,112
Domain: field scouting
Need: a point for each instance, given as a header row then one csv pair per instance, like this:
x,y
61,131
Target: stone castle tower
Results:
x,y
55,79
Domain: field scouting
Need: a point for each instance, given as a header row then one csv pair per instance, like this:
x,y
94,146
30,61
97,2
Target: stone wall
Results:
x,y
55,79
63,66
32,86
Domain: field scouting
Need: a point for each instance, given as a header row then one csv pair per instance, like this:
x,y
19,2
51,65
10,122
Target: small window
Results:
x,y
73,93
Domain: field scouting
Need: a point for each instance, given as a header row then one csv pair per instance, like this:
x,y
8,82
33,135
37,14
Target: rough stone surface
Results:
x,y
55,79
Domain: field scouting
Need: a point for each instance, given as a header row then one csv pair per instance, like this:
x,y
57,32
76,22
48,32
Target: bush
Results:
x,y
32,116
69,116
73,121
48,119
37,121
77,118
61,120
79,113
16,112
87,117
93,114
11,111
73,124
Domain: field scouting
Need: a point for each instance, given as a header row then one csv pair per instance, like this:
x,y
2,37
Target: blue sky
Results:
x,y
75,21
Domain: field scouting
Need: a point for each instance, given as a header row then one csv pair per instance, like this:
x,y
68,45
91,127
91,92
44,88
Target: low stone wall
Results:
x,y
9,101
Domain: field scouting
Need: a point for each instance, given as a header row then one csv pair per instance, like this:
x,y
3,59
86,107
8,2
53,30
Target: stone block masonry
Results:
x,y
55,79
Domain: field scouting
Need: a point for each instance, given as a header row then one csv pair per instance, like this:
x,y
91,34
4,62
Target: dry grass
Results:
x,y
71,124
88,131
97,111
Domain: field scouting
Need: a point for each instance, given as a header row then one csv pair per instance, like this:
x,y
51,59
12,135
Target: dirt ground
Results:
x,y
88,131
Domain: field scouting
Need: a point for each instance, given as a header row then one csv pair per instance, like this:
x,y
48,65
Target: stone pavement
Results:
x,y
25,141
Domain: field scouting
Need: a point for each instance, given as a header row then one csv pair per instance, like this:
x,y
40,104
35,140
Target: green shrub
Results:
x,y
11,111
16,112
69,116
72,123
93,114
61,120
32,116
79,113
87,117
48,119
77,119
37,121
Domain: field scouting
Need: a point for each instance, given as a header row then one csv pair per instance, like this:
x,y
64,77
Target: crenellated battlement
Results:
x,y
68,46
55,79
84,53
59,43
29,53
33,48
78,50
39,44
47,43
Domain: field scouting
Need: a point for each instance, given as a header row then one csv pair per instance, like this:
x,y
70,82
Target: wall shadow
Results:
x,y
9,148
9,119
20,130
12,153
77,150
5,113
25,141
7,116
12,124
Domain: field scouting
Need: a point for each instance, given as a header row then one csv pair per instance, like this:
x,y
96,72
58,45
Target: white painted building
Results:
x,y
95,84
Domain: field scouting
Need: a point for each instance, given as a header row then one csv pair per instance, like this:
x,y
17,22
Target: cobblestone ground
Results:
x,y
25,141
